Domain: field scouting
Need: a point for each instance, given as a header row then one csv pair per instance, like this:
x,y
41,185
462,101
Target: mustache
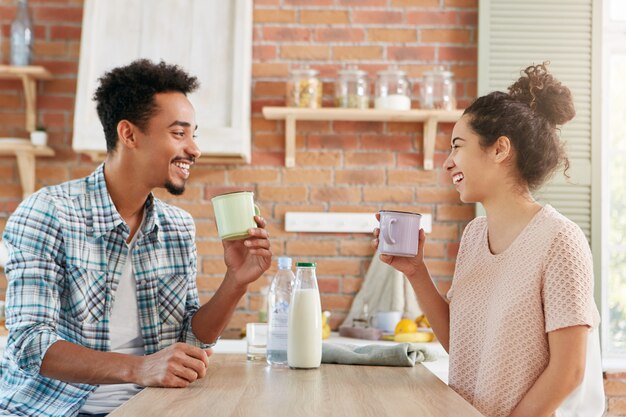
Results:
x,y
189,159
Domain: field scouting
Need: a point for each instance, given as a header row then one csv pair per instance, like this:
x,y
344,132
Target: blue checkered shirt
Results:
x,y
67,251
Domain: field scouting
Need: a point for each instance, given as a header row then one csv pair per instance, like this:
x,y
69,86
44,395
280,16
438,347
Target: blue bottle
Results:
x,y
21,36
278,300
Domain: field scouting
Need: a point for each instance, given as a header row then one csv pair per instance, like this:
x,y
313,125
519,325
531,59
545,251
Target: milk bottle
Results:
x,y
304,340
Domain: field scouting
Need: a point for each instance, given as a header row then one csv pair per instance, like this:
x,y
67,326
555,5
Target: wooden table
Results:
x,y
236,387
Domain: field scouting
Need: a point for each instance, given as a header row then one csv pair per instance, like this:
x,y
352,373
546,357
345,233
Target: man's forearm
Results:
x,y
70,362
211,319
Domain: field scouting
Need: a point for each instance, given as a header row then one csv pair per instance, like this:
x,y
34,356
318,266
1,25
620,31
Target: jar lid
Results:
x,y
352,70
305,264
305,71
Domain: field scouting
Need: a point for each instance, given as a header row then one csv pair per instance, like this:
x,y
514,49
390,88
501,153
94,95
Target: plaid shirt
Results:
x,y
67,251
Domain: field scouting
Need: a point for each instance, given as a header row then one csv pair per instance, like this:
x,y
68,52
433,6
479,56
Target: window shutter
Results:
x,y
513,35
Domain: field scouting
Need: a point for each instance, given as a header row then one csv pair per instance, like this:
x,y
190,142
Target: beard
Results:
x,y
174,189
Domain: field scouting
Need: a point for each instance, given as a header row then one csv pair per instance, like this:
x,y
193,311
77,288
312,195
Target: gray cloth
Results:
x,y
402,354
384,289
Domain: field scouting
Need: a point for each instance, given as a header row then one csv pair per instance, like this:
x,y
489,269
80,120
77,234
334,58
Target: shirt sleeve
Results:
x,y
35,275
192,303
568,281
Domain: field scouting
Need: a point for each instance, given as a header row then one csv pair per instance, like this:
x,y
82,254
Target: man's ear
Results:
x,y
126,133
502,149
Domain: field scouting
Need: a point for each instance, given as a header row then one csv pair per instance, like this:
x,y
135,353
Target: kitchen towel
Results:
x,y
402,354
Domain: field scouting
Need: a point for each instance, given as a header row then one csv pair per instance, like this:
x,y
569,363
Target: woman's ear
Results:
x,y
503,150
126,133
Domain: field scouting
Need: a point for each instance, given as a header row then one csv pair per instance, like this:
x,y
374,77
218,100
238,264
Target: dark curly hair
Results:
x,y
528,115
127,93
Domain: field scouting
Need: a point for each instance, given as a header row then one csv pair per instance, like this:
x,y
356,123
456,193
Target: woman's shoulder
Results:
x,y
560,225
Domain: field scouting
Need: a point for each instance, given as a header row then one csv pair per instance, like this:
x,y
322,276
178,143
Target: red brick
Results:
x,y
310,247
65,32
339,35
431,18
343,194
336,302
348,208
415,3
57,14
269,141
263,52
43,48
210,247
332,141
440,268
437,195
412,177
338,267
326,17
453,249
361,176
456,54
388,194
291,193
309,2
386,142
357,52
268,88
368,158
281,209
54,86
273,16
214,266
356,248
282,34
411,53
328,285
341,126
253,175
308,176
306,52
270,69
318,158
268,158
445,35
377,17
461,3
391,35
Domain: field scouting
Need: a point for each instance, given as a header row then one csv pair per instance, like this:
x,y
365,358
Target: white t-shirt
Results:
x,y
126,337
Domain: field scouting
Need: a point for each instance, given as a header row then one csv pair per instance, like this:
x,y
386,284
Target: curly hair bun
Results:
x,y
544,94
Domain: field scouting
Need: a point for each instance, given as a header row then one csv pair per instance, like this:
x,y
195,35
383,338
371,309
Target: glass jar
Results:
x,y
438,90
304,89
351,89
393,91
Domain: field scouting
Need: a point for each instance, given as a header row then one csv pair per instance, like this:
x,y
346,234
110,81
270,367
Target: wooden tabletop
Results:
x,y
236,387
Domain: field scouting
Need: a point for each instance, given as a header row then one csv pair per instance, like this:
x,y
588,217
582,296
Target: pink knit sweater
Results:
x,y
502,307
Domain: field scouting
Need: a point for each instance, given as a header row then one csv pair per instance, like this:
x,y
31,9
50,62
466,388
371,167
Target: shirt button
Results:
x,y
142,282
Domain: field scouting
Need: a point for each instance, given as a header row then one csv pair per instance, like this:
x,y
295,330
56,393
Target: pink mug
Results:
x,y
399,233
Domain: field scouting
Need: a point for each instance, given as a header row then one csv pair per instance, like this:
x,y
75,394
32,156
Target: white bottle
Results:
x,y
21,36
305,320
278,300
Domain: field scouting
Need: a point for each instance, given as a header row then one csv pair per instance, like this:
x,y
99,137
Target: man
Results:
x,y
101,296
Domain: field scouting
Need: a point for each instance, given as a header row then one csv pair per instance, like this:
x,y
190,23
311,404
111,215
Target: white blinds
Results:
x,y
515,34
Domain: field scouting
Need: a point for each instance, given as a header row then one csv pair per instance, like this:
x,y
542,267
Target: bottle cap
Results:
x,y
284,262
305,264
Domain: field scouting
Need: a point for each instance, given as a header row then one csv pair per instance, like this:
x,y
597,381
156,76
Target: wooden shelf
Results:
x,y
430,118
29,76
25,152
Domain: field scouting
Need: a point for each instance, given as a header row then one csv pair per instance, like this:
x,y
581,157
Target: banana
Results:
x,y
417,337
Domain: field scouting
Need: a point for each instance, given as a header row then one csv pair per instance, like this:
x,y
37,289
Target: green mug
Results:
x,y
234,214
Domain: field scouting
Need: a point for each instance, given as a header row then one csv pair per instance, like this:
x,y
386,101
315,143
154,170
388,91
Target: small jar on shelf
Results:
x,y
438,89
304,89
393,91
352,89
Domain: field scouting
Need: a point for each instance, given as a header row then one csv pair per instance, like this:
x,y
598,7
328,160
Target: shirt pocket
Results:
x,y
172,298
86,295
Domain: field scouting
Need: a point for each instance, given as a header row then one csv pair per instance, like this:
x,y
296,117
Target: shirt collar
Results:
x,y
104,215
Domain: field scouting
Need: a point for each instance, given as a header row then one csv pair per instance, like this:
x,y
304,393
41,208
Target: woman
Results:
x,y
519,322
